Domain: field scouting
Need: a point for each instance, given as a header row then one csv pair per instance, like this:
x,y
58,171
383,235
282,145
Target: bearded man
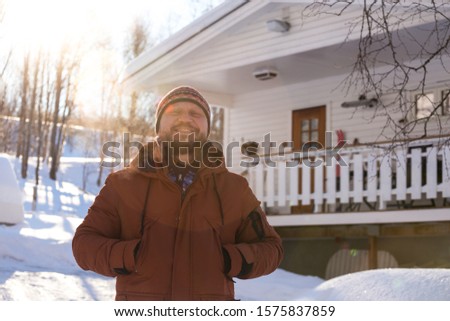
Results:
x,y
176,224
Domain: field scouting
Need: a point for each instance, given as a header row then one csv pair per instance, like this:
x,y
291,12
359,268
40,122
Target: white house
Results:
x,y
11,202
275,71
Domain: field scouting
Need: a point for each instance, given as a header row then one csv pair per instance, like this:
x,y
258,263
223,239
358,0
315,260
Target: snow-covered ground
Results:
x,y
36,261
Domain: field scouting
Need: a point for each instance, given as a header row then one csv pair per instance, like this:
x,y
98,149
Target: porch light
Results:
x,y
265,73
276,25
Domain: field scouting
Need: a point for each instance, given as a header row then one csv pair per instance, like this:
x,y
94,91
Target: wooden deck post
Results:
x,y
373,232
373,252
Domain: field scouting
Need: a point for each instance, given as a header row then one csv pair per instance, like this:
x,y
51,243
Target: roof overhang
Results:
x,y
156,69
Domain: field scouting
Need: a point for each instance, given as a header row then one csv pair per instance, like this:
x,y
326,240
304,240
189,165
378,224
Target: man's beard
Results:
x,y
176,145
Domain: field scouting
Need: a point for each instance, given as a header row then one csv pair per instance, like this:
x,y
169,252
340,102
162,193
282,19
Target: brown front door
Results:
x,y
308,125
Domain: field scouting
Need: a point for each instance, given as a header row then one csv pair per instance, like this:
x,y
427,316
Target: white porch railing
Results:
x,y
374,178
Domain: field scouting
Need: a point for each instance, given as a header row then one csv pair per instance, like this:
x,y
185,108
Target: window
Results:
x,y
424,105
445,97
426,102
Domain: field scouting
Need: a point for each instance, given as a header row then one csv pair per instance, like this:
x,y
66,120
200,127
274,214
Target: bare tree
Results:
x,y
48,100
108,123
63,105
7,109
23,105
53,138
42,126
29,126
138,39
398,44
6,63
140,116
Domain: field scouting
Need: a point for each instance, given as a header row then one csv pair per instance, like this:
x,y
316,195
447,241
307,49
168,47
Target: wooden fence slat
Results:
x,y
357,178
400,175
372,180
331,182
416,173
385,179
281,166
431,172
344,181
318,184
259,172
270,186
293,186
446,171
306,185
251,178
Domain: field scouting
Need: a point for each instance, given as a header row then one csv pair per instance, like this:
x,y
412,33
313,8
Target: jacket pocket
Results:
x,y
144,247
216,230
140,254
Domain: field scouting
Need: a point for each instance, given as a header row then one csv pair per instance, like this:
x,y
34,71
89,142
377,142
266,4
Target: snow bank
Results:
x,y
389,285
279,286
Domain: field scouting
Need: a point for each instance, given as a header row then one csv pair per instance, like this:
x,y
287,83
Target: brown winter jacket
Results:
x,y
175,248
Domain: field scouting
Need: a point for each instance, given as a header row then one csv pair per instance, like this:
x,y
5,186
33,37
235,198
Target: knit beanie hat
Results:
x,y
182,94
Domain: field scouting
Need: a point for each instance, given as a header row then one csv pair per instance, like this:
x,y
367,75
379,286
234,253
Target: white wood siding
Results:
x,y
250,43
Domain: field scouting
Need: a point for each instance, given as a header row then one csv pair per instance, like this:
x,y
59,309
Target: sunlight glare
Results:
x,y
30,26
47,24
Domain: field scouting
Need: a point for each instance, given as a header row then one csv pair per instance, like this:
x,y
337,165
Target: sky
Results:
x,y
31,22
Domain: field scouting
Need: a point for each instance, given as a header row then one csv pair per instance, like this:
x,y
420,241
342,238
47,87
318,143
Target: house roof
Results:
x,y
221,51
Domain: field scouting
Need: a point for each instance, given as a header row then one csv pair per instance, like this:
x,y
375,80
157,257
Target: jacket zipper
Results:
x,y
177,227
183,196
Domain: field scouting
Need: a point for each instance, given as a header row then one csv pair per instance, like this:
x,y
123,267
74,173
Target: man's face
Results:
x,y
183,122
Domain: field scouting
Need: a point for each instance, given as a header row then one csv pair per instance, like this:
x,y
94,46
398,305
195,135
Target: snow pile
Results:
x,y
279,286
387,284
